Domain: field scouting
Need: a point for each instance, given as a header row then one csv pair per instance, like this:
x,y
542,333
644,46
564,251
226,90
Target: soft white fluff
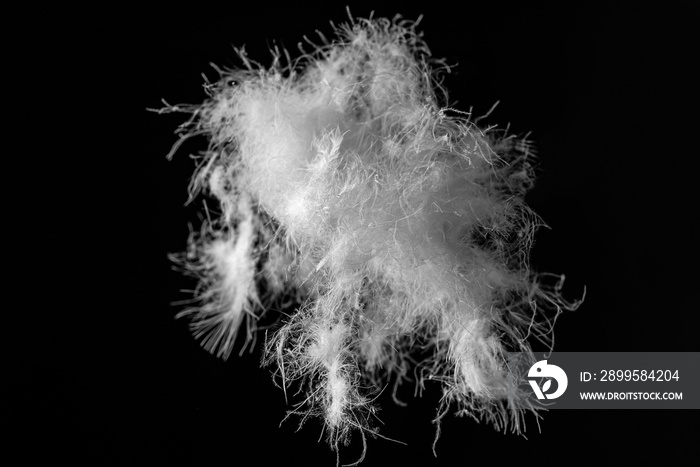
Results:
x,y
393,219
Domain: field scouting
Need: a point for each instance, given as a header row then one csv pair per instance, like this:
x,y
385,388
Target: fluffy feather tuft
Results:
x,y
395,221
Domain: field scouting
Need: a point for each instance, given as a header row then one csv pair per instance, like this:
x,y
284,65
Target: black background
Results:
x,y
608,95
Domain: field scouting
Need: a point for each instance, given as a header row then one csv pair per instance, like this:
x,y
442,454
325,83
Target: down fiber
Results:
x,y
398,225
